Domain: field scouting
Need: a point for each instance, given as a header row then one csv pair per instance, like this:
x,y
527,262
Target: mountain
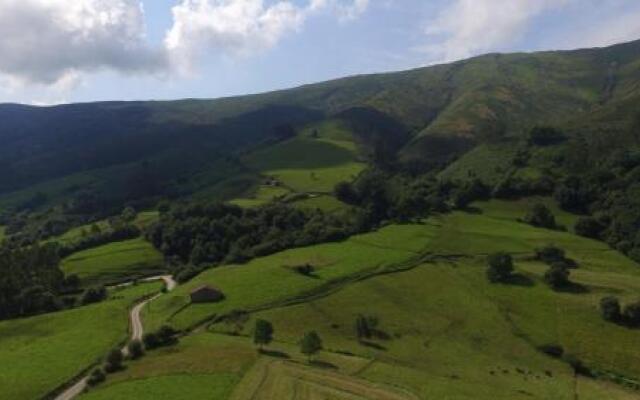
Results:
x,y
430,113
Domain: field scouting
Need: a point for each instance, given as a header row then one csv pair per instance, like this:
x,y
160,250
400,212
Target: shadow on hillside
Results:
x,y
322,364
520,280
373,345
275,354
574,288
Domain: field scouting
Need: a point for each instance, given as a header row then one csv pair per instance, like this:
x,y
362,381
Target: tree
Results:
x,y
311,344
97,376
128,214
263,333
589,227
541,216
135,349
151,340
345,192
500,267
557,276
94,295
550,254
113,362
363,331
632,313
610,309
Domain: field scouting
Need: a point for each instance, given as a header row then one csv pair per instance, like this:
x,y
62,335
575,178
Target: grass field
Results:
x,y
203,366
114,262
261,195
39,354
308,165
271,279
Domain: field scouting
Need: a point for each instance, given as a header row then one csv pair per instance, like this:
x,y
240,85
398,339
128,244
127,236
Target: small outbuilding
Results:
x,y
206,294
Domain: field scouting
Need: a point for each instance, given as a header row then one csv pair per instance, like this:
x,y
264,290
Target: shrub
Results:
x,y
610,309
550,254
306,269
310,344
263,333
557,276
135,349
94,295
114,360
500,267
540,216
589,227
632,314
151,340
97,376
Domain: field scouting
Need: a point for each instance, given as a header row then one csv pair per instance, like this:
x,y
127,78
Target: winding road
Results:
x,y
137,331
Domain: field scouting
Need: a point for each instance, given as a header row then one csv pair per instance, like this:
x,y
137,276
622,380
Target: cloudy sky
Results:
x,y
55,51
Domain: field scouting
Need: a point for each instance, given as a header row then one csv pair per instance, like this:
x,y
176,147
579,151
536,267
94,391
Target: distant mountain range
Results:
x,y
432,113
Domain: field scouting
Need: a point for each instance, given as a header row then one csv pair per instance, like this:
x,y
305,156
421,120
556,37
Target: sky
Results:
x,y
62,51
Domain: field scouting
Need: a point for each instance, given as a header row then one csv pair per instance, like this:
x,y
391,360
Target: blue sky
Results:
x,y
57,51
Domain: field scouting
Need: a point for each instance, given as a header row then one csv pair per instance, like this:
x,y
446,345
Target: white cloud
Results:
x,y
56,43
52,41
469,27
609,31
233,27
242,27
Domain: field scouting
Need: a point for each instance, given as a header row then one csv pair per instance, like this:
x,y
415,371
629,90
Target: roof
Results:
x,y
205,287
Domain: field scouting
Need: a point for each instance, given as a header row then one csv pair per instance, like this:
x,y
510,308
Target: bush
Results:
x,y
114,360
500,267
632,314
550,254
151,340
97,376
94,295
610,309
540,216
135,349
557,276
589,227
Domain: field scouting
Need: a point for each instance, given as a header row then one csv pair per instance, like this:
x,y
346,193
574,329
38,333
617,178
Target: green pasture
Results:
x,y
114,262
39,354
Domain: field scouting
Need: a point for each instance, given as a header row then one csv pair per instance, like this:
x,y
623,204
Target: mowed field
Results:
x,y
41,353
114,262
306,164
445,331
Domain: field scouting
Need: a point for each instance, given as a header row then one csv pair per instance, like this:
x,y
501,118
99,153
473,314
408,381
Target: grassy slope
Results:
x,y
39,354
199,367
451,332
308,165
270,279
114,262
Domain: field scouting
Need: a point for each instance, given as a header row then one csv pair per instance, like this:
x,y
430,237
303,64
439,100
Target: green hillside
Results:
x,y
459,231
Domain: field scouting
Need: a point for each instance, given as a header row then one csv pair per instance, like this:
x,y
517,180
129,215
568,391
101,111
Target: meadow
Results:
x,y
114,262
308,165
41,353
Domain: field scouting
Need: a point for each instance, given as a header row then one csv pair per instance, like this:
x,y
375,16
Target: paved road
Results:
x,y
137,331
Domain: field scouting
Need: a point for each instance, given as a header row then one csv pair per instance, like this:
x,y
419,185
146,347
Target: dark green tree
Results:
x,y
310,344
500,267
540,216
610,309
97,376
135,349
632,314
263,333
113,361
589,227
557,276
